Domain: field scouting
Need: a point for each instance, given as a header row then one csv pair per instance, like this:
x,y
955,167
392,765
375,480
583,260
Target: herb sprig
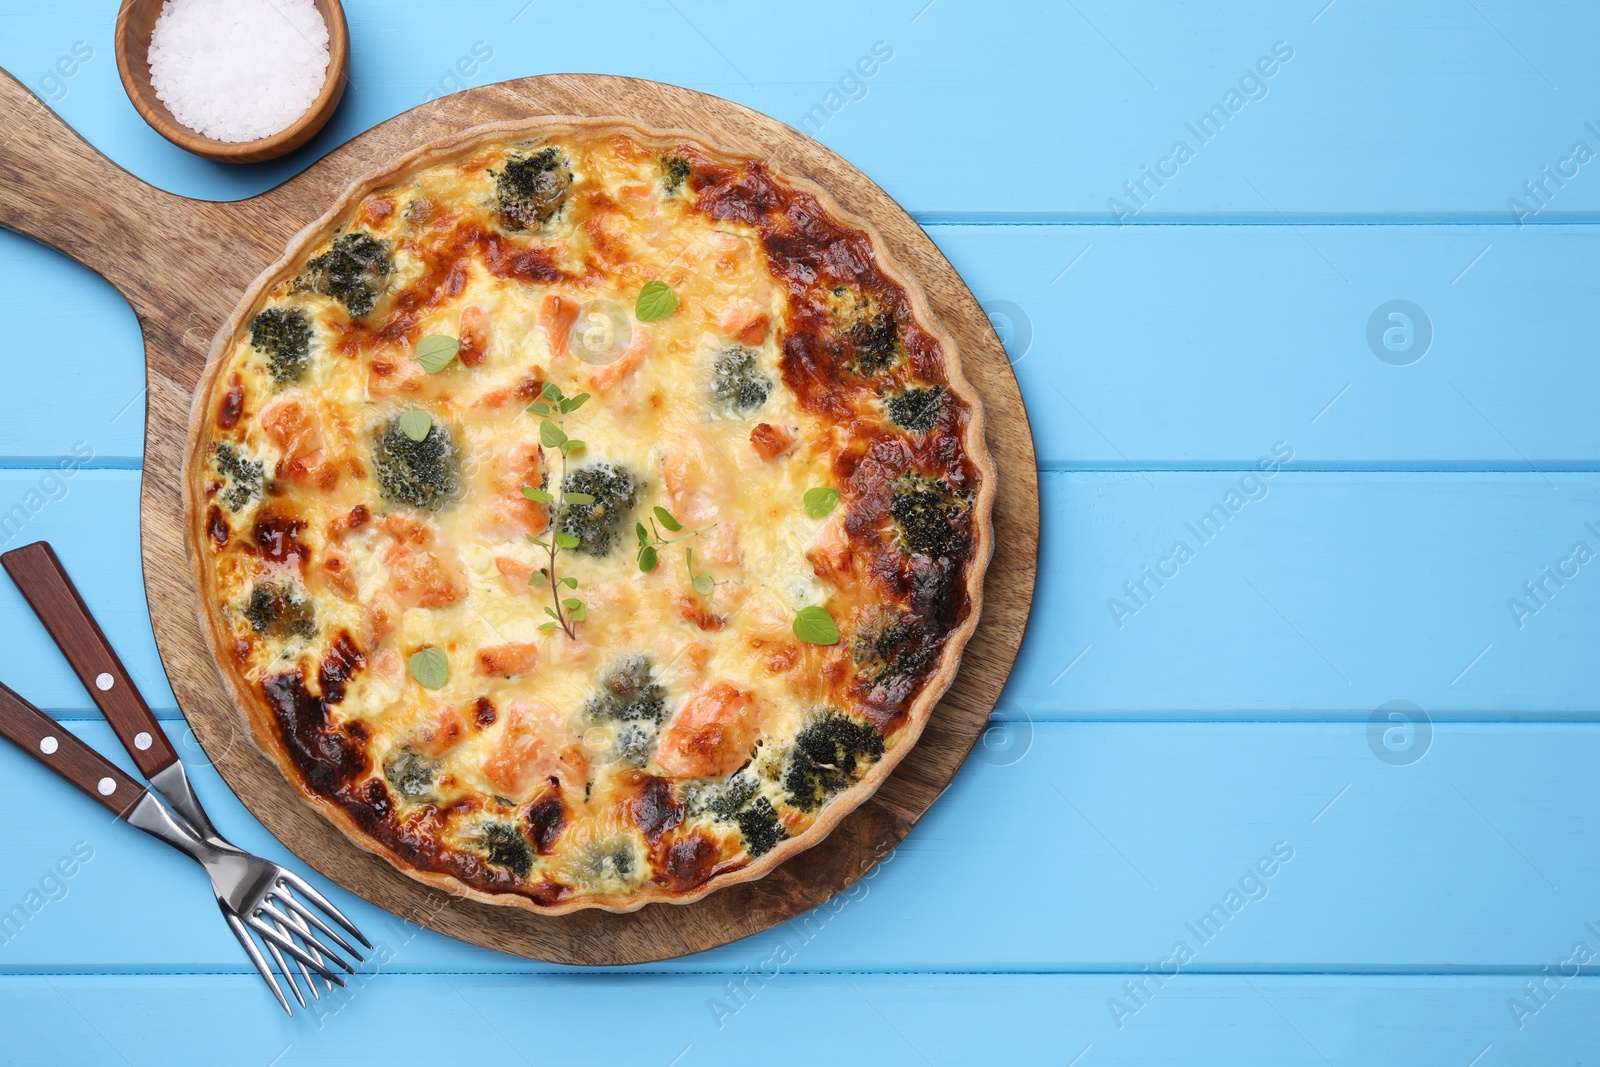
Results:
x,y
651,541
553,409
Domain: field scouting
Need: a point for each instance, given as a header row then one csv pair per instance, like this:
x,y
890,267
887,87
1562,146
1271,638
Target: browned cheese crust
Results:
x,y
378,499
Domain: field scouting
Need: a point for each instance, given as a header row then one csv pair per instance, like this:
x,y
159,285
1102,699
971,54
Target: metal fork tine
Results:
x,y
322,902
310,916
254,953
305,975
299,925
316,947
288,975
269,934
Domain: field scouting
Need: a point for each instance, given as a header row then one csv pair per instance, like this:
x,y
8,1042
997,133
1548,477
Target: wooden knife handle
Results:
x,y
44,582
46,741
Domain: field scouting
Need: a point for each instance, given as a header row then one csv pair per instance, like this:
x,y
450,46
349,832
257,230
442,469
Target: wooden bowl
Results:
x,y
137,19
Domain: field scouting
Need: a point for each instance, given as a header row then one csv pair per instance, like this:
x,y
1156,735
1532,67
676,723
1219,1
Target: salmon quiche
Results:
x,y
586,516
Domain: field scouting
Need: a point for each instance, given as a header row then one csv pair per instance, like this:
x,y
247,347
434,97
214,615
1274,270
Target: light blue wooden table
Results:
x,y
1175,314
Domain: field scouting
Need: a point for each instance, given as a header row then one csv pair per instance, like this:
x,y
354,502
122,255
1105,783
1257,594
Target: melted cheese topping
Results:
x,y
655,747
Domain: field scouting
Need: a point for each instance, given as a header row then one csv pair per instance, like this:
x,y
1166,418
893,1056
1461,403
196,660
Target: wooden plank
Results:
x,y
1199,346
1054,107
802,1019
1330,594
1273,348
1399,580
1126,835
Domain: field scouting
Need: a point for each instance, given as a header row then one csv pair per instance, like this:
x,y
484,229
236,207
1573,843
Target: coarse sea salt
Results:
x,y
238,70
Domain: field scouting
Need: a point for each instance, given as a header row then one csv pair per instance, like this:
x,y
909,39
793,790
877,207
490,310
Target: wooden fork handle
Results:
x,y
46,741
45,585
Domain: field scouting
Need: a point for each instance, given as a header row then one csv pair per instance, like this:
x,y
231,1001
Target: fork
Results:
x,y
255,895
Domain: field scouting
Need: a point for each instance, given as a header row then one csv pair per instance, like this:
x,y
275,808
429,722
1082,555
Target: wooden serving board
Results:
x,y
183,265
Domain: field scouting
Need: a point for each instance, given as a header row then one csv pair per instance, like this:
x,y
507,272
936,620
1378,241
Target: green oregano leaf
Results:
x,y
435,352
536,494
703,585
820,501
415,424
576,498
566,540
656,301
430,667
815,626
647,558
550,435
667,520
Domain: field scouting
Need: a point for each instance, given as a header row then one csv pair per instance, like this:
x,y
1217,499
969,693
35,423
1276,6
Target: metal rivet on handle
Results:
x,y
104,681
107,787
48,745
141,741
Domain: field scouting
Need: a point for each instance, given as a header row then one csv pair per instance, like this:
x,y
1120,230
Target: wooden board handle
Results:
x,y
46,741
44,583
56,189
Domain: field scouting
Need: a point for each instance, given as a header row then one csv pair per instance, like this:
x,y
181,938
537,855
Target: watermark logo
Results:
x,y
51,488
852,85
1252,886
459,75
1250,87
1138,592
51,887
54,83
1540,590
1012,325
1547,186
1399,733
1004,742
1399,332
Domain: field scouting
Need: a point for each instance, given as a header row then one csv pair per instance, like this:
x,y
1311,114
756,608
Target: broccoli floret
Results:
x,y
635,743
277,609
916,410
243,476
828,754
628,692
532,188
866,337
353,272
607,861
504,846
738,801
595,525
761,828
722,799
409,774
929,515
893,650
675,170
424,474
632,699
737,382
283,335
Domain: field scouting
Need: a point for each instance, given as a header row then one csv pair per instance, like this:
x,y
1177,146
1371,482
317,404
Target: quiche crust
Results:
x,y
901,566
